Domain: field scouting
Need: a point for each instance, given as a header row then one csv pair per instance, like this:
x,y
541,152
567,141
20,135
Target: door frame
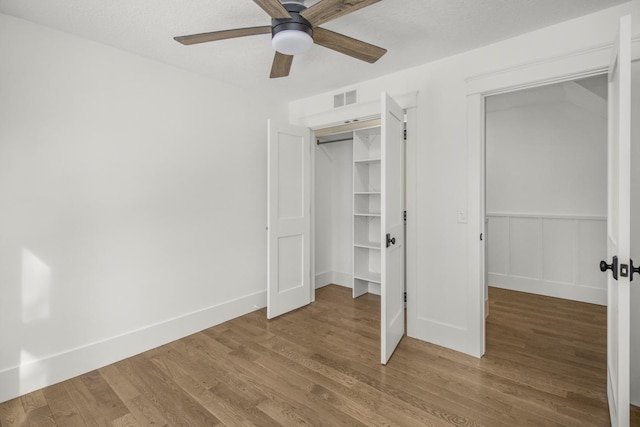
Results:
x,y
571,66
363,112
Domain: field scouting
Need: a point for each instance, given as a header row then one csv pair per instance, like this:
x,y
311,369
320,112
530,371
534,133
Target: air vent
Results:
x,y
350,97
347,98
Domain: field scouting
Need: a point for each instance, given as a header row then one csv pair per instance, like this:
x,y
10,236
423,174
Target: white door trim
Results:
x,y
367,111
570,66
362,111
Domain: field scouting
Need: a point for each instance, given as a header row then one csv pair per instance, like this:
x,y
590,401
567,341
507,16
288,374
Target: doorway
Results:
x,y
546,189
546,230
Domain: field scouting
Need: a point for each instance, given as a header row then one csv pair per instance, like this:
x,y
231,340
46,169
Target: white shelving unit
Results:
x,y
367,197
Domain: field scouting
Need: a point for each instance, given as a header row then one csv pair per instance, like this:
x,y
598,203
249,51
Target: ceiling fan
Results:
x,y
295,28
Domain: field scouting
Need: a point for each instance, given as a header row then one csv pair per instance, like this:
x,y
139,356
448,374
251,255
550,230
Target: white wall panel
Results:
x,y
548,255
558,250
524,237
497,244
592,243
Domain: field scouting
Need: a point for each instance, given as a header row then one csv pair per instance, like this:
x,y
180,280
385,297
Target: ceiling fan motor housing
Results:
x,y
295,23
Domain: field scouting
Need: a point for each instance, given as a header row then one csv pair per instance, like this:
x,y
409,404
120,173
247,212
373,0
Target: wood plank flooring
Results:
x,y
545,366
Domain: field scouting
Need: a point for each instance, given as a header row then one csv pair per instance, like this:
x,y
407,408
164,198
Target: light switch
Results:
x,y
462,216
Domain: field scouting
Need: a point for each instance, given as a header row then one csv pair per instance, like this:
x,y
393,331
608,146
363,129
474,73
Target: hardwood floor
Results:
x,y
544,366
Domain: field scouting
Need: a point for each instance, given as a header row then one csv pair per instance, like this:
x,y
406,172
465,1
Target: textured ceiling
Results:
x,y
414,32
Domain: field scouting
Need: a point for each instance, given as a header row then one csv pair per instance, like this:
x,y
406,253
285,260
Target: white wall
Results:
x,y
333,221
132,204
323,208
442,314
547,158
546,197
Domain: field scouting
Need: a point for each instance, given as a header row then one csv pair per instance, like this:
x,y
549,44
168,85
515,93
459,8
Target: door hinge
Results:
x,y
405,216
481,235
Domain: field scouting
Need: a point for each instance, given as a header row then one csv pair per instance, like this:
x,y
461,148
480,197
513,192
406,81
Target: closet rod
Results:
x,y
335,140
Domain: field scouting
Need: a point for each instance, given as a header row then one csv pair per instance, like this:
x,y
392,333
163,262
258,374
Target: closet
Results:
x,y
348,197
352,234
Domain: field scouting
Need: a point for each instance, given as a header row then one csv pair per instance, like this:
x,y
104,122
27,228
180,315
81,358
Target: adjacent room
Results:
x,y
272,212
546,190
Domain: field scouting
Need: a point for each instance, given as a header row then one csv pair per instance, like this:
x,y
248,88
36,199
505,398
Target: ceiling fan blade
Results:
x,y
327,10
221,35
274,8
347,45
281,65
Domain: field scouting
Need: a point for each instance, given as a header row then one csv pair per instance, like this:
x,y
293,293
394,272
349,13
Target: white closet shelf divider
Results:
x,y
367,203
368,276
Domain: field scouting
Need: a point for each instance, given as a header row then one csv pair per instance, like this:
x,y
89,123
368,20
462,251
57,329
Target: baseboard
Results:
x,y
586,294
31,376
334,278
374,288
324,279
343,279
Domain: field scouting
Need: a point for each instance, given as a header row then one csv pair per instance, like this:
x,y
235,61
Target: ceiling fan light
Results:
x,y
292,42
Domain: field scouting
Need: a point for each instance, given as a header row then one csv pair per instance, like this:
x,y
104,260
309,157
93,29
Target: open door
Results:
x,y
618,228
392,259
289,222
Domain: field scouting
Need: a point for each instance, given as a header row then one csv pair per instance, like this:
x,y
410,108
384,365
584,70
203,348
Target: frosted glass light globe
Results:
x,y
292,42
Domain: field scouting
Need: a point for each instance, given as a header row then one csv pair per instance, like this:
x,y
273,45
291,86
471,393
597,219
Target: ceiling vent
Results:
x,y
344,99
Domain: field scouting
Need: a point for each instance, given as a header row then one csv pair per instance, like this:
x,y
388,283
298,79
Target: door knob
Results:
x,y
390,240
613,267
633,269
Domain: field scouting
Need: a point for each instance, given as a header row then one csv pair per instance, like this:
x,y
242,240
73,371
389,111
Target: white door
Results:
x,y
289,222
392,260
618,228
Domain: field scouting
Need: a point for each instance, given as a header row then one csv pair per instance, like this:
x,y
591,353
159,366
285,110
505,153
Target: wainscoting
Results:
x,y
553,255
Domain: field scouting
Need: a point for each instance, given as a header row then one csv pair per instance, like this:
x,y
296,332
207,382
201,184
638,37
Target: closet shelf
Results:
x,y
373,214
369,276
367,161
367,193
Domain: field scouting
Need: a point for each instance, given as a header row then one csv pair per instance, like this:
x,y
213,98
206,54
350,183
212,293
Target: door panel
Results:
x,y
289,230
392,265
618,227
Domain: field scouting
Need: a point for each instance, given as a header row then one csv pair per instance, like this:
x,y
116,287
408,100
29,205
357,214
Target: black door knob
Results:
x,y
390,240
613,267
633,269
